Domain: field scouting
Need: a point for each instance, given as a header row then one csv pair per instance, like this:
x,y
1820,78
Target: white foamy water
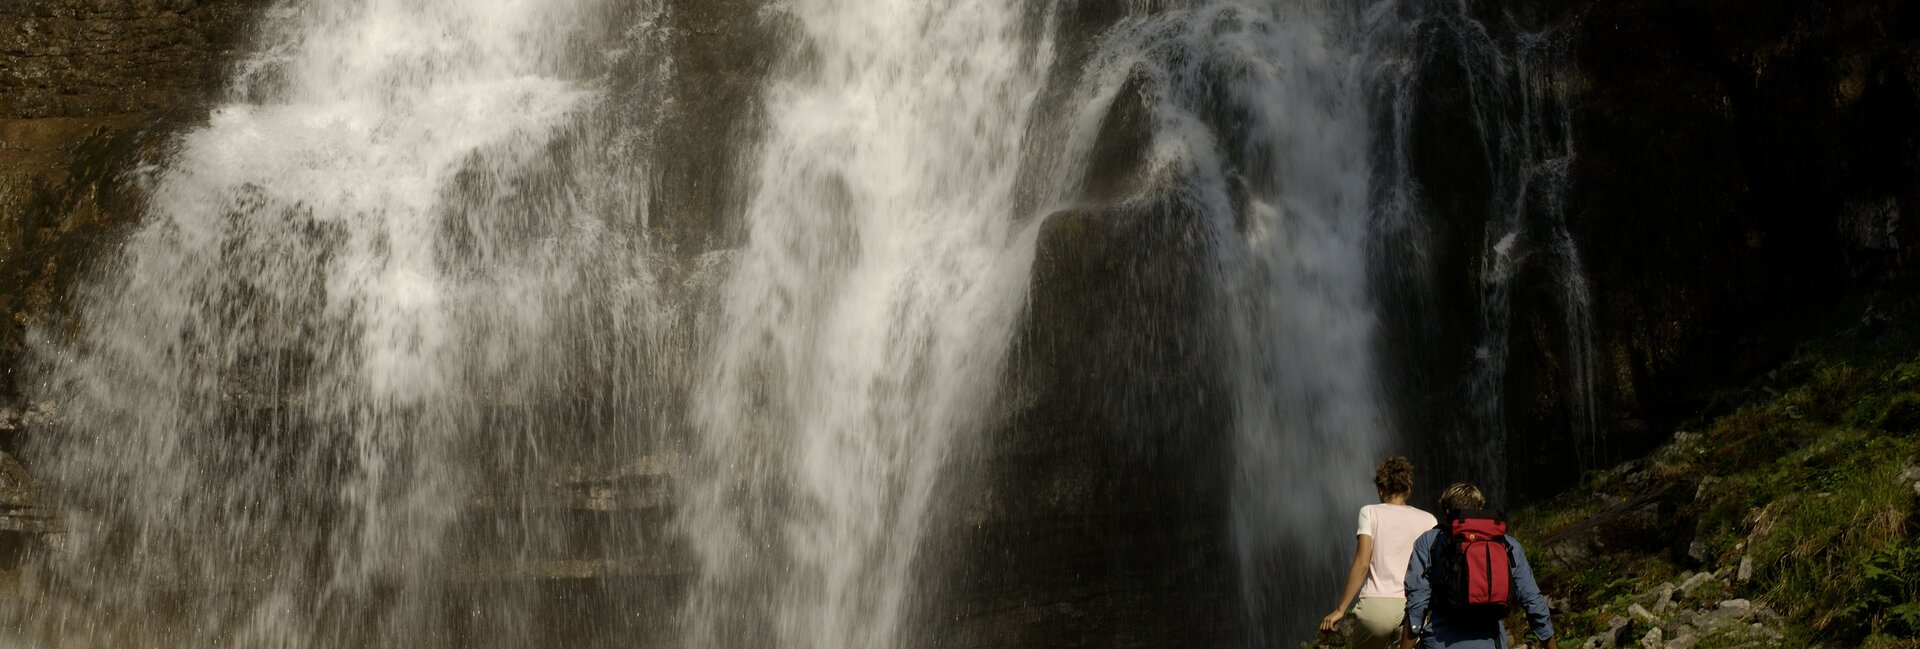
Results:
x,y
278,400
867,320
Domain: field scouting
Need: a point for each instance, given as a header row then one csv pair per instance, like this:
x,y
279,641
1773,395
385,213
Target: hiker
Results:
x,y
1464,576
1385,539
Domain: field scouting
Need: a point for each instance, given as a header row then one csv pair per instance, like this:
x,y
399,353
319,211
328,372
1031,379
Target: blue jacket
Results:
x,y
1442,633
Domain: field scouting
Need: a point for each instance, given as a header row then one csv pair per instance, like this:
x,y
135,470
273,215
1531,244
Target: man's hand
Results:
x,y
1332,620
1406,641
1553,642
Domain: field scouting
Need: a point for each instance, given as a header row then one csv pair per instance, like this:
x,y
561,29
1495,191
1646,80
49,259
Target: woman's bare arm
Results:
x,y
1356,575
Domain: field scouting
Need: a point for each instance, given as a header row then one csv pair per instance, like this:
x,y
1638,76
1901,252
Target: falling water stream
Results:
x,y
394,324
867,320
355,290
1265,111
1521,120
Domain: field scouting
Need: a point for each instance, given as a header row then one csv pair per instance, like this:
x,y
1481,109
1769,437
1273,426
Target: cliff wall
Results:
x,y
89,89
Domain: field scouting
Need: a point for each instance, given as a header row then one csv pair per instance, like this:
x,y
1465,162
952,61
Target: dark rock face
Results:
x,y
721,55
1740,167
1096,513
1733,170
88,89
1102,515
101,58
1753,158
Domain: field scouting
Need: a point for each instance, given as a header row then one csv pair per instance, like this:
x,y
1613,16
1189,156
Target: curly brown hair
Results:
x,y
1394,477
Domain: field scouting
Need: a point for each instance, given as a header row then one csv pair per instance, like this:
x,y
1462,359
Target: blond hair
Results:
x,y
1462,496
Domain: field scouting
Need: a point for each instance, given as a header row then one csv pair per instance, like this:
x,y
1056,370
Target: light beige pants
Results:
x,y
1377,622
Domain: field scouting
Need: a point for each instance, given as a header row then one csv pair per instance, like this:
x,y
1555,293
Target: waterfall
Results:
x,y
359,307
1512,84
397,352
1291,225
1288,125
1263,119
866,319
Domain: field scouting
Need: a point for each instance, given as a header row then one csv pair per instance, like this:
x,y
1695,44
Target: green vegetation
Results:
x,y
1807,477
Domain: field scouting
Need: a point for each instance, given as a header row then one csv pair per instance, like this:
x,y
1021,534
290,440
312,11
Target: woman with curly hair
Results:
x,y
1385,539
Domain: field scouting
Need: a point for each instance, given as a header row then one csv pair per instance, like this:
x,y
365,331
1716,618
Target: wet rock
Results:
x,y
1117,166
89,87
1111,384
26,524
722,52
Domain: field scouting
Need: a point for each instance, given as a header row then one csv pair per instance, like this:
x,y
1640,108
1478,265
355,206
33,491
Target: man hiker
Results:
x,y
1465,575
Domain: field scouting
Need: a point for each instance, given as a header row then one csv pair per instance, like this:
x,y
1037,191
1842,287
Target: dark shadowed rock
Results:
x,y
1098,516
1727,153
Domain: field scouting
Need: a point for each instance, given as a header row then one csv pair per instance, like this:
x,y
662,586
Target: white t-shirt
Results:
x,y
1394,528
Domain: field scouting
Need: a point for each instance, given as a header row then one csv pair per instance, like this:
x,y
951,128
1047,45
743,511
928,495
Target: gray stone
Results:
x,y
1617,629
1697,550
1746,568
1642,613
1690,583
1653,640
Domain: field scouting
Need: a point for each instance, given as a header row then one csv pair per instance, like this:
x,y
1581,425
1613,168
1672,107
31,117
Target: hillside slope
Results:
x,y
1783,515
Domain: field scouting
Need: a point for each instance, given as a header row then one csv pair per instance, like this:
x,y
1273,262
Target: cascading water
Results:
x,y
1262,114
406,275
1297,306
867,318
357,310
1514,101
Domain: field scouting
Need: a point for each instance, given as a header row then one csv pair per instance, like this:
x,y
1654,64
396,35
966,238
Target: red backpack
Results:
x,y
1472,567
